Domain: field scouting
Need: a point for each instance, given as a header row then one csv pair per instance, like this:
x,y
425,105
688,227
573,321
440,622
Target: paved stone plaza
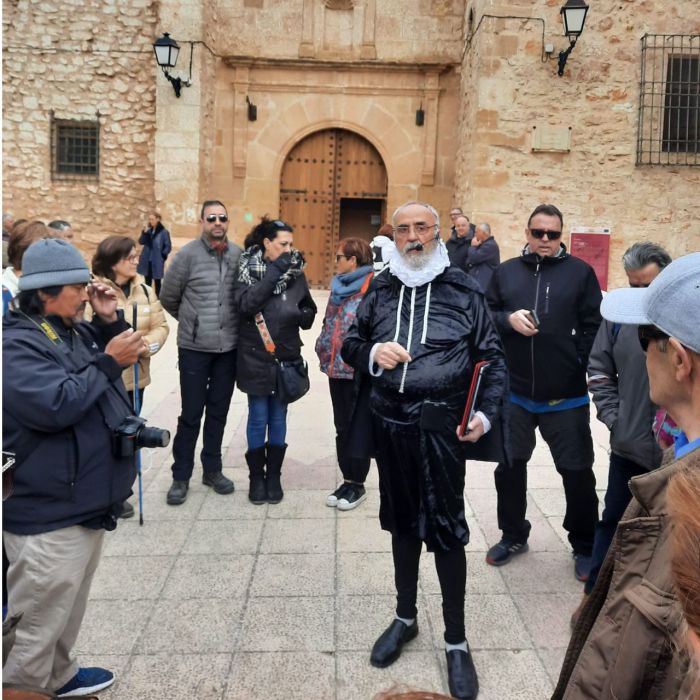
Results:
x,y
219,599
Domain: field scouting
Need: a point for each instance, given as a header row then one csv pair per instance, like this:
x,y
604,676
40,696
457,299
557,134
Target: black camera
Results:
x,y
133,434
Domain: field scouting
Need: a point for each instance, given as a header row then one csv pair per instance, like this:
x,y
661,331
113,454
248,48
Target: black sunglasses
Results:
x,y
211,218
541,233
648,333
277,223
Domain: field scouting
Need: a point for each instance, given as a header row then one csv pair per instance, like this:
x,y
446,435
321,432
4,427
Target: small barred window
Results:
x,y
669,101
75,149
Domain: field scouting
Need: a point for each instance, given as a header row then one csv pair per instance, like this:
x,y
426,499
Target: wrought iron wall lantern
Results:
x,y
420,115
574,12
167,50
252,110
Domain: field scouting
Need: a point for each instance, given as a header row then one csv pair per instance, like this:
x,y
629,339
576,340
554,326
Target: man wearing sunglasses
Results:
x,y
197,291
624,644
546,306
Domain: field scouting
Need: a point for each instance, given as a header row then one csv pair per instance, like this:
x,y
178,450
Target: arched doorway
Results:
x,y
333,186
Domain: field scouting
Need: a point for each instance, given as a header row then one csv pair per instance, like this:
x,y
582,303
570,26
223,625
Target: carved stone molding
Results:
x,y
339,4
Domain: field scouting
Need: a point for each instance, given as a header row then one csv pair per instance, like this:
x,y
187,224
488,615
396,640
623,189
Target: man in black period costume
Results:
x,y
418,333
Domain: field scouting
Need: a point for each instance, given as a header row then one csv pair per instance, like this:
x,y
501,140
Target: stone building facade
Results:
x,y
89,63
358,105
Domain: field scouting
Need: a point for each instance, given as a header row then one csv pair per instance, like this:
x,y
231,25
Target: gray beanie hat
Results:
x,y
52,262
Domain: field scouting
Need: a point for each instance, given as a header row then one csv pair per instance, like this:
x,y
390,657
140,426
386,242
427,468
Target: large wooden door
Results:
x,y
319,171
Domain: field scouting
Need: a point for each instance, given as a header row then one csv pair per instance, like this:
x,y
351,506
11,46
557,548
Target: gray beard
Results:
x,y
419,260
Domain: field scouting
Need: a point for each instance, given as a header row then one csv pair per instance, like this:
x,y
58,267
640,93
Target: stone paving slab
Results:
x,y
219,599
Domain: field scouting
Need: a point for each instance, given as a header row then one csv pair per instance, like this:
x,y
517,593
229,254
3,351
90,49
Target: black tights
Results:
x,y
451,567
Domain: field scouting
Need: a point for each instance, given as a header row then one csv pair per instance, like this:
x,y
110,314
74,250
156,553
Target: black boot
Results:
x,y
256,468
275,457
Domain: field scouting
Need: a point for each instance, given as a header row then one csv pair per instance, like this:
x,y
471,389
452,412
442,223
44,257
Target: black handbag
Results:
x,y
292,375
292,380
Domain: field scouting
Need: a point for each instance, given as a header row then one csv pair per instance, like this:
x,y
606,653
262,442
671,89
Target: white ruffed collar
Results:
x,y
436,264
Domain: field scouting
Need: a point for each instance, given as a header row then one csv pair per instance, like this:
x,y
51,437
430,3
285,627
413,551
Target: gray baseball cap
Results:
x,y
52,262
671,302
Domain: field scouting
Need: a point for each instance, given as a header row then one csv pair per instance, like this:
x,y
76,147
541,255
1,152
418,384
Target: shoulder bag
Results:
x,y
292,375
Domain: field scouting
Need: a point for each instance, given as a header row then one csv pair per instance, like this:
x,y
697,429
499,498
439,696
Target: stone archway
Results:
x,y
333,185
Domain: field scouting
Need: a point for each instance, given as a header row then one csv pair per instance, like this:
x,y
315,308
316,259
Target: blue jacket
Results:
x,y
156,248
61,402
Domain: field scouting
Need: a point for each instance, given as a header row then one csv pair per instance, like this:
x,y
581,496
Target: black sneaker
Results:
x,y
332,499
353,496
504,551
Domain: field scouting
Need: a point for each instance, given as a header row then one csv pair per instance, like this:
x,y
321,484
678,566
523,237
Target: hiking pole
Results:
x,y
137,409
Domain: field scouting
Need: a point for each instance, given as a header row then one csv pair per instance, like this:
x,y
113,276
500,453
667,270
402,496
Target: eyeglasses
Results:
x,y
277,223
541,233
132,258
648,333
420,228
211,218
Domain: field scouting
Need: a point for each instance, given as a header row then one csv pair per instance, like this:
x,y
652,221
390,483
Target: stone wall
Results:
x,y
386,30
509,93
77,59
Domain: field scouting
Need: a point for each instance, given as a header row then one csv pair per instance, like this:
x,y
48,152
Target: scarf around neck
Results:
x,y
349,283
252,268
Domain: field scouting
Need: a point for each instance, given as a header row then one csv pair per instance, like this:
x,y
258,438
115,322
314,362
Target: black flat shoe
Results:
x,y
177,493
461,675
388,647
218,482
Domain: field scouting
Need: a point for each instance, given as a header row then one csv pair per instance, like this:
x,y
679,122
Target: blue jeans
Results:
x,y
617,498
266,415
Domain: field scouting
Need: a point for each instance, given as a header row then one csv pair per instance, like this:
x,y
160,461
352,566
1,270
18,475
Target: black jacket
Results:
x,y
482,261
284,314
565,293
458,249
448,335
61,402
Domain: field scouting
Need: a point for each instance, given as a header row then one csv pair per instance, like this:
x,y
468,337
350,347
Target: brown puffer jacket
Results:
x,y
150,319
626,645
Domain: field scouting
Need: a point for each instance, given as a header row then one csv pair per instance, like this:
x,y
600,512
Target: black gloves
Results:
x,y
283,262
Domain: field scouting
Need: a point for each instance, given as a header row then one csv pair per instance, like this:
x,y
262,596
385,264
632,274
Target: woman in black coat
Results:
x,y
270,283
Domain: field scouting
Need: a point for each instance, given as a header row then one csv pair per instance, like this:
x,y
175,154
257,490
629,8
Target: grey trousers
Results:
x,y
48,581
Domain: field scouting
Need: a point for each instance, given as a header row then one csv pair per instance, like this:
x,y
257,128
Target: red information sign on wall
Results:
x,y
592,244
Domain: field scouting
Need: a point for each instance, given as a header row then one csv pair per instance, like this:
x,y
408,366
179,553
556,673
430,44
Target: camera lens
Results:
x,y
153,437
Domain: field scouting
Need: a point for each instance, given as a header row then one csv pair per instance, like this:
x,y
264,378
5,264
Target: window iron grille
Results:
x,y
75,149
669,100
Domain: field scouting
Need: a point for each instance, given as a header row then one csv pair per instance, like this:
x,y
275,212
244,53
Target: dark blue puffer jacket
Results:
x,y
61,402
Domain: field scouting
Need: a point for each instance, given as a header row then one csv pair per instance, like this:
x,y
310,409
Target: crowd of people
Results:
x,y
408,318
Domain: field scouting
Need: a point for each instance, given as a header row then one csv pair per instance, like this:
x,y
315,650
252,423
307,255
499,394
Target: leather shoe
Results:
x,y
218,482
461,675
177,494
388,647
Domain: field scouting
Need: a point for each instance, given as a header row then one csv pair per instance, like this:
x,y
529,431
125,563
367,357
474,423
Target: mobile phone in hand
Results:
x,y
533,318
